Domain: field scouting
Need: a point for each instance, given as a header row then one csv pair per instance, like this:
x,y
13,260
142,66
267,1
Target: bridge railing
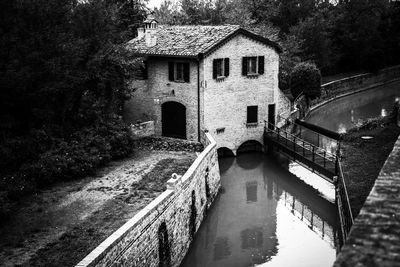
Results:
x,y
317,154
343,203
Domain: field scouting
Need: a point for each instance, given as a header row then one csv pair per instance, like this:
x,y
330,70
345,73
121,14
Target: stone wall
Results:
x,y
143,129
148,95
350,85
226,99
374,239
137,242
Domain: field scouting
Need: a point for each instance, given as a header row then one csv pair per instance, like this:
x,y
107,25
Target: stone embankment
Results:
x,y
160,234
374,239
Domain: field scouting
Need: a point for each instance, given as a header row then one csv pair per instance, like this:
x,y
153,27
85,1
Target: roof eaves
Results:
x,y
257,37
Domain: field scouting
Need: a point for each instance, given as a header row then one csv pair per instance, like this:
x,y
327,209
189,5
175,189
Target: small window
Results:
x,y
220,68
252,114
253,65
179,71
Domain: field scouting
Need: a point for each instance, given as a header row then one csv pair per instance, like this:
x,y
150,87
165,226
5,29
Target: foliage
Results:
x,y
338,36
72,158
305,78
62,80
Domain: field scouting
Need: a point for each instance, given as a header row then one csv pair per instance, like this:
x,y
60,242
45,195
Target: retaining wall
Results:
x,y
164,229
354,84
374,239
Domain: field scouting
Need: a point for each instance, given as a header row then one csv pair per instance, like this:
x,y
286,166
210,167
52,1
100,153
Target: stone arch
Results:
x,y
164,252
249,146
224,152
173,119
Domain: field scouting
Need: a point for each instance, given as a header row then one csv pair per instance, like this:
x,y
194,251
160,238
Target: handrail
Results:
x,y
345,192
305,142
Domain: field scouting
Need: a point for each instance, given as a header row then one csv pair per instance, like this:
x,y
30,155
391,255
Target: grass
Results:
x,y
75,244
363,159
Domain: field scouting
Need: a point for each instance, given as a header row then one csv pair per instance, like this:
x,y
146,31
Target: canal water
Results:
x,y
273,212
348,112
266,216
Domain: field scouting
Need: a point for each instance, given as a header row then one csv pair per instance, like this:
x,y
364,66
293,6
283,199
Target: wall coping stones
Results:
x,y
374,239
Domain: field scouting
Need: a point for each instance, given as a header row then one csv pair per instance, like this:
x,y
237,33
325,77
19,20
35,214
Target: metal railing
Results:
x,y
343,204
316,154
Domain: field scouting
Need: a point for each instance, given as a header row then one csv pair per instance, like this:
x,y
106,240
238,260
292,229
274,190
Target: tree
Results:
x,y
305,78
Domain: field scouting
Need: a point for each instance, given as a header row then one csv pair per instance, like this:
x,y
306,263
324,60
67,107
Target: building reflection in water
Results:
x,y
242,227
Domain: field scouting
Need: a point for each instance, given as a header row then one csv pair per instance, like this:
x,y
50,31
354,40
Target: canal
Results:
x,y
273,212
265,215
347,112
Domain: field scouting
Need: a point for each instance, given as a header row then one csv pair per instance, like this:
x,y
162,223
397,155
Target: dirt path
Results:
x,y
59,226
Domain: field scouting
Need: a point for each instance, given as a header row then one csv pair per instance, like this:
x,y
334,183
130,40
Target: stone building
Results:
x,y
223,79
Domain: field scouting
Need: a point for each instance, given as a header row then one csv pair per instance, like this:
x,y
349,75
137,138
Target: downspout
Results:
x,y
198,98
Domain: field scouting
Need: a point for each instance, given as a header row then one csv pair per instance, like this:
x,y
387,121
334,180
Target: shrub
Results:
x,y
73,158
305,78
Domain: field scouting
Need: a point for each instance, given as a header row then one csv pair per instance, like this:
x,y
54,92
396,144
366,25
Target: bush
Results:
x,y
305,78
74,158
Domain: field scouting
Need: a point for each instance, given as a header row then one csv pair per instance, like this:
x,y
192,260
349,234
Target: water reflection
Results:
x,y
243,226
350,111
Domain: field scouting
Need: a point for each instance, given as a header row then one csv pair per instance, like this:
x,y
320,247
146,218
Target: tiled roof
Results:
x,y
189,41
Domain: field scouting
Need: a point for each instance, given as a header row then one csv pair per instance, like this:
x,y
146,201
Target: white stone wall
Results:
x,y
136,242
226,101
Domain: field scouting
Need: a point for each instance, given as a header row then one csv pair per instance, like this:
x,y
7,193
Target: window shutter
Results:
x,y
215,68
226,67
244,66
171,71
261,65
186,72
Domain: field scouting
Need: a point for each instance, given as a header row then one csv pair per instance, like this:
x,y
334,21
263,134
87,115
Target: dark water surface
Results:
x,y
345,113
266,216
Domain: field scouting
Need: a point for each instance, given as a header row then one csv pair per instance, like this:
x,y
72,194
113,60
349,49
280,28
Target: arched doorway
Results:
x,y
173,120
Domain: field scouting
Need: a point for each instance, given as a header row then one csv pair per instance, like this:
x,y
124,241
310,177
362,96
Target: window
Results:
x,y
220,68
179,71
252,114
253,66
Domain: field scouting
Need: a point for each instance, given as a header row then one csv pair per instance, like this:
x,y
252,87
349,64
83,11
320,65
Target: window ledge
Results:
x,y
178,81
220,78
252,124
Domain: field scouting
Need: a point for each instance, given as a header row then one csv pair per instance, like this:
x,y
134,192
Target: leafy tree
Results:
x,y
305,78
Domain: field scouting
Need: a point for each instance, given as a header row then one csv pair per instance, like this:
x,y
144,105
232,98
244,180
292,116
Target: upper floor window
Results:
x,y
179,71
253,65
220,68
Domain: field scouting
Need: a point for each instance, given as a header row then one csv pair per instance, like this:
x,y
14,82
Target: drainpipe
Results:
x,y
198,96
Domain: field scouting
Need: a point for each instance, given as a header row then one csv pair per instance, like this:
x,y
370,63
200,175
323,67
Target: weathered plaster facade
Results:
x,y
226,100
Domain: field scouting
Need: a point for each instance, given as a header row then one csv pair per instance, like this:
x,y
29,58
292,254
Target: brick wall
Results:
x,y
374,239
136,243
226,100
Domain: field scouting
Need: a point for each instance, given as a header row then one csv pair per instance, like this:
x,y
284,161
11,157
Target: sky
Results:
x,y
154,3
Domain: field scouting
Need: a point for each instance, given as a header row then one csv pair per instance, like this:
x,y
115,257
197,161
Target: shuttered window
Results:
x,y
252,114
253,65
220,67
179,71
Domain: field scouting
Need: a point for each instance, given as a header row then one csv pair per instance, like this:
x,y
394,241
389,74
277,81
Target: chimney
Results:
x,y
150,33
140,32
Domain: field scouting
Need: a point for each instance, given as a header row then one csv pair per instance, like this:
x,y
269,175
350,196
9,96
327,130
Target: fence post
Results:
x,y
313,153
324,158
304,153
